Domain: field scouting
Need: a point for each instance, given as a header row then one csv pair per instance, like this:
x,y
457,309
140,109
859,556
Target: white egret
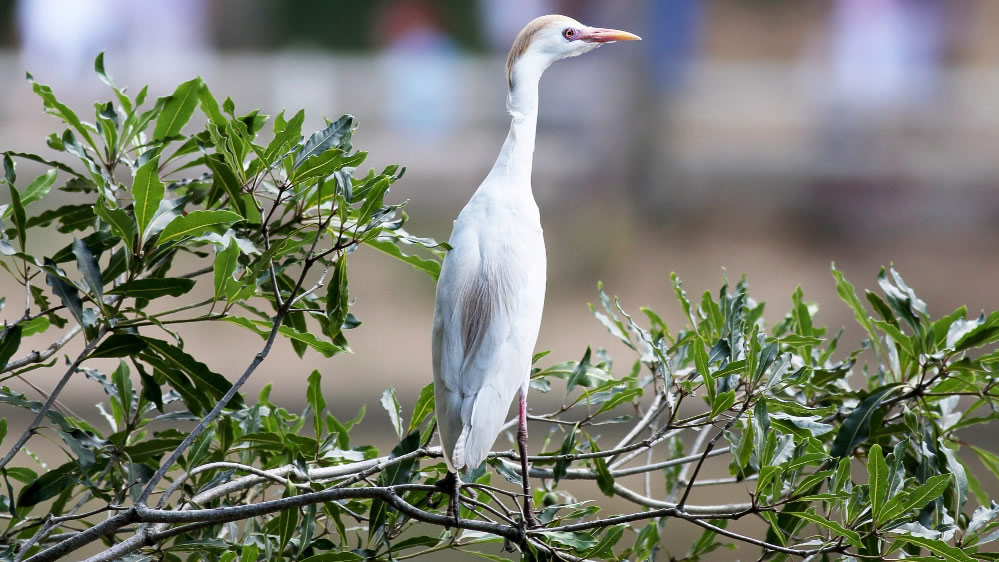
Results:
x,y
491,289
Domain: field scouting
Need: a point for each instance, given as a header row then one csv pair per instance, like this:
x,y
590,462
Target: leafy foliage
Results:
x,y
833,453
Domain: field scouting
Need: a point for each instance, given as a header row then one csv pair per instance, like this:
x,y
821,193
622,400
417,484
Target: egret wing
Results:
x,y
486,322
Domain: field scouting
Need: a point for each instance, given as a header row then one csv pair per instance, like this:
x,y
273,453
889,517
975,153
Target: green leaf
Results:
x,y
723,402
373,200
877,475
386,245
979,336
802,318
334,557
9,175
210,106
561,467
701,362
20,220
398,473
197,223
851,537
337,298
314,394
147,192
48,485
576,541
168,210
222,175
37,326
60,110
263,328
605,480
87,265
177,110
9,344
940,548
919,497
424,407
605,547
123,384
333,135
411,542
99,69
849,296
806,459
960,476
810,424
620,398
171,357
390,402
287,526
154,287
224,267
98,242
264,440
150,388
67,294
289,134
119,345
796,340
318,166
857,424
121,223
39,188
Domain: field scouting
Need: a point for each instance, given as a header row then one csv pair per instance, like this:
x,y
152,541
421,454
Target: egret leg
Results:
x,y
529,518
449,485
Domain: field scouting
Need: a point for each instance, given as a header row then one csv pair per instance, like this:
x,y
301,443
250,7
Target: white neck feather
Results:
x,y
512,170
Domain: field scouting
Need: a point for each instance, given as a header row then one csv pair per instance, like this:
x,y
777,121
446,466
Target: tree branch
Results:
x,y
39,356
707,451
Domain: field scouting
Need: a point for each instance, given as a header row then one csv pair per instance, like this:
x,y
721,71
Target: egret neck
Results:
x,y
512,170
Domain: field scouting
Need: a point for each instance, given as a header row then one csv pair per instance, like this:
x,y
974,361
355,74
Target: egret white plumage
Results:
x,y
491,289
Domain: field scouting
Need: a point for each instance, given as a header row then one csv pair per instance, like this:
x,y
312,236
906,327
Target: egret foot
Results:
x,y
450,485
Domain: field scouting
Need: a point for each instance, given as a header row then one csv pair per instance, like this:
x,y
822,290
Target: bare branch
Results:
x,y
210,417
679,514
316,287
707,451
39,356
389,495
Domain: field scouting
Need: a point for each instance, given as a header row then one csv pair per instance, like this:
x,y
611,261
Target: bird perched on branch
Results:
x,y
491,289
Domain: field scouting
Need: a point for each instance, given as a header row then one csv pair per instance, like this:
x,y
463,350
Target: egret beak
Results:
x,y
600,35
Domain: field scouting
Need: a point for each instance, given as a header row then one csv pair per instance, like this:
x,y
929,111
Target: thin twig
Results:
x,y
679,514
682,477
210,417
319,284
44,410
39,356
707,451
587,474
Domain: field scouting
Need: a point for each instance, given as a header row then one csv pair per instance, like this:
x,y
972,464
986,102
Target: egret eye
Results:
x,y
569,33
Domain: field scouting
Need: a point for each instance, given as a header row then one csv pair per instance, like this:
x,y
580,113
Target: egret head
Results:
x,y
550,38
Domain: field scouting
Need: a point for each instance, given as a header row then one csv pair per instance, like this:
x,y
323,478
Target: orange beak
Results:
x,y
600,35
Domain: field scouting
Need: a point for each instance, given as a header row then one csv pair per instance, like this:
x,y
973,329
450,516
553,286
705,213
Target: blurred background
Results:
x,y
765,137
